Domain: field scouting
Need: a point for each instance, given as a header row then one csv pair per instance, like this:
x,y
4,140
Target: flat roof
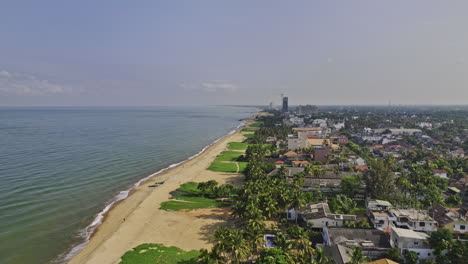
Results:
x,y
410,233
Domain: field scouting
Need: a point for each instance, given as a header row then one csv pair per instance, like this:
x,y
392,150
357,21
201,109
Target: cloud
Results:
x,y
211,87
28,85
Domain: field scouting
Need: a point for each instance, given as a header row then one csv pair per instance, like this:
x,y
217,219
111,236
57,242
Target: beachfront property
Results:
x,y
341,241
413,219
406,239
319,215
331,179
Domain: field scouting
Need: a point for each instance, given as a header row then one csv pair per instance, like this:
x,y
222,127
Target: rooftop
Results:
x,y
358,237
412,214
383,261
410,233
307,129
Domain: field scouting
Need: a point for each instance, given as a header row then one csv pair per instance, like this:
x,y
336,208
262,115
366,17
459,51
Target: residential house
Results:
x,y
454,219
300,163
399,131
322,154
377,212
373,242
457,153
318,215
414,219
406,239
440,173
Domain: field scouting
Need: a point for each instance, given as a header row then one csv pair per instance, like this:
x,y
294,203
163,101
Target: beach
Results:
x,y
138,219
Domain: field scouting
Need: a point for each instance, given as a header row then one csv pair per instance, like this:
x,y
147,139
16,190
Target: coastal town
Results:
x,y
315,185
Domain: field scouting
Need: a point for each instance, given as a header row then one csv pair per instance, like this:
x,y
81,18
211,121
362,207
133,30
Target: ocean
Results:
x,y
60,168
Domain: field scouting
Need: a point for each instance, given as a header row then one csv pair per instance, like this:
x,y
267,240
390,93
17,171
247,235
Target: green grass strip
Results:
x,y
158,253
237,145
223,167
229,156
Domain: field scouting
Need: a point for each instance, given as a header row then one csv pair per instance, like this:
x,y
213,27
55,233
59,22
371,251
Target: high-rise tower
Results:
x,y
285,104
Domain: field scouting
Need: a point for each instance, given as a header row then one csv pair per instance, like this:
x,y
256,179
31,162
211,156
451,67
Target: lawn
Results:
x,y
256,124
229,156
248,130
249,135
188,197
158,253
223,166
242,166
237,145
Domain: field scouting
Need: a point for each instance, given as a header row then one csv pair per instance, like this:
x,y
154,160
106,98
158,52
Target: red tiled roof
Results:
x,y
279,162
299,162
361,167
290,153
439,171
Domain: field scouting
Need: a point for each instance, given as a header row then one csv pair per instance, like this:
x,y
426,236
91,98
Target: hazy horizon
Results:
x,y
147,53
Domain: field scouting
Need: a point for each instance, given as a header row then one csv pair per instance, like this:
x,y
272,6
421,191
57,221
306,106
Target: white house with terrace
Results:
x,y
413,219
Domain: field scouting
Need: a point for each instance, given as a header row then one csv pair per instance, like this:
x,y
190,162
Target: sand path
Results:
x,y
138,220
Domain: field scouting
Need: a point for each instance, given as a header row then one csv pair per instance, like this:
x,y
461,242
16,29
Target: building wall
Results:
x,y
458,227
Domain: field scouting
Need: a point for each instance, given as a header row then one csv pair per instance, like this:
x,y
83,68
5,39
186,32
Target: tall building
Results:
x,y
285,104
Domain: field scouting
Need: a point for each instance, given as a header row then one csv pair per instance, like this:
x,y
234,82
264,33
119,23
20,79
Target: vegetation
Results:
x,y
190,196
223,167
157,253
229,156
237,145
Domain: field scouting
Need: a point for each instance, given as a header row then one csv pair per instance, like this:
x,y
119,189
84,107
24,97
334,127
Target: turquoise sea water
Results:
x,y
60,167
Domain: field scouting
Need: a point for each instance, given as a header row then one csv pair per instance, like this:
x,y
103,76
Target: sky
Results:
x,y
197,52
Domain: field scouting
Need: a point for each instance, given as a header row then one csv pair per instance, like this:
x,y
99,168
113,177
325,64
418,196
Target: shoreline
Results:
x,y
83,251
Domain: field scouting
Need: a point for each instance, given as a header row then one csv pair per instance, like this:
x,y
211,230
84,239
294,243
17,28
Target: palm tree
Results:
x,y
357,257
321,257
238,246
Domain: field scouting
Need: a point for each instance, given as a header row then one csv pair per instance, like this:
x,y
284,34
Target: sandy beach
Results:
x,y
138,219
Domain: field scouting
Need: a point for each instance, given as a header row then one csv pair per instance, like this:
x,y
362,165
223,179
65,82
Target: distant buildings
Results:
x,y
307,110
285,104
398,131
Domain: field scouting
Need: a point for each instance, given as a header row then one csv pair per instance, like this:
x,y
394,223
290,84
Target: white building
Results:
x,y
440,173
405,239
398,131
296,121
339,125
413,219
318,215
377,212
319,122
424,125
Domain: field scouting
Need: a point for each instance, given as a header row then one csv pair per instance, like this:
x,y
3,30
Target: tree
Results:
x,y
272,256
321,257
447,249
440,241
350,185
379,180
343,204
393,254
357,257
361,223
411,257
